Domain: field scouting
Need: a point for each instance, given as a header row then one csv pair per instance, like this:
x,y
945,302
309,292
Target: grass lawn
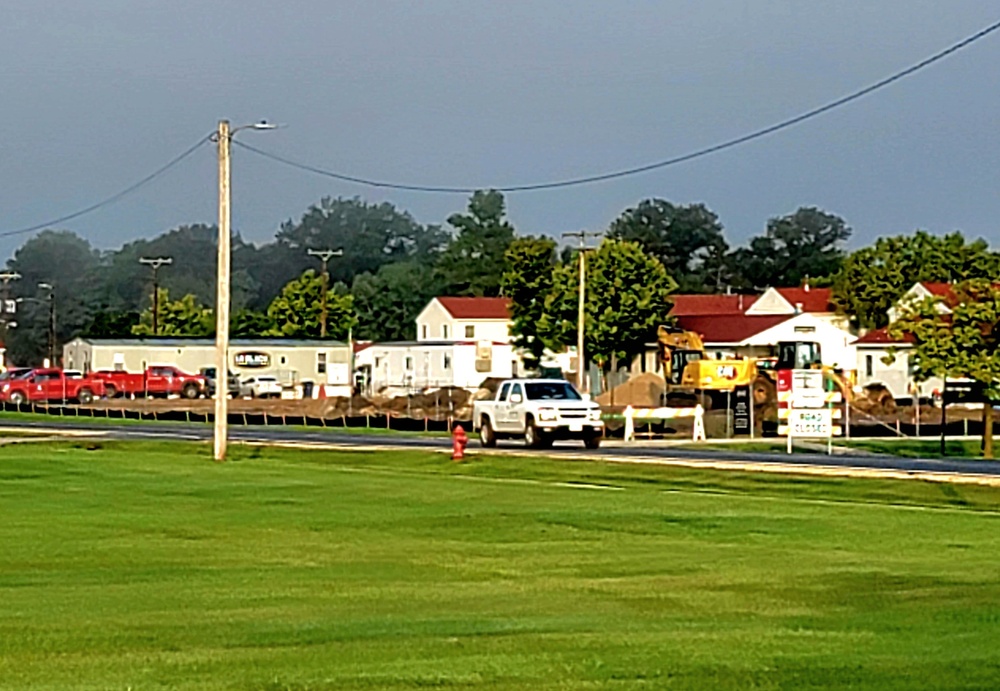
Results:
x,y
147,566
906,448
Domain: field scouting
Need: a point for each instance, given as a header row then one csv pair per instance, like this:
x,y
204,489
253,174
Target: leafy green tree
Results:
x,y
388,302
184,317
67,262
874,278
527,279
807,244
108,324
687,240
370,235
296,312
248,323
473,263
628,295
962,342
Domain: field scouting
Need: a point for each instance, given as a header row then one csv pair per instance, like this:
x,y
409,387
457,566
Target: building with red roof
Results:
x,y
465,318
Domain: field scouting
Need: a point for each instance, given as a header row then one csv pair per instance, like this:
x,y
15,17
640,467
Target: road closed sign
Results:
x,y
810,423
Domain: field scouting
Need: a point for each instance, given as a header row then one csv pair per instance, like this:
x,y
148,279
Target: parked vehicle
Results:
x,y
159,380
263,386
14,373
540,411
49,384
233,385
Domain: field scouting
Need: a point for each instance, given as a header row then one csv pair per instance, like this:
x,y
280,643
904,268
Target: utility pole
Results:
x,y
52,321
6,311
155,263
222,299
324,256
581,379
224,138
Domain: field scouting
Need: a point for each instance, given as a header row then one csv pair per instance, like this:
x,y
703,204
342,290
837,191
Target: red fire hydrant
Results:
x,y
459,440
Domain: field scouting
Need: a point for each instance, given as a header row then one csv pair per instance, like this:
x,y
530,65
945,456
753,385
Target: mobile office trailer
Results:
x,y
322,362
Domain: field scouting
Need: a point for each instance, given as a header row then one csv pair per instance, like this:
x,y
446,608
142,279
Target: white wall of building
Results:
x,y
836,344
435,323
290,361
399,368
896,376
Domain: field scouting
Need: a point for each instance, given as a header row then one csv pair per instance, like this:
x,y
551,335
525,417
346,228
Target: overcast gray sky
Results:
x,y
98,94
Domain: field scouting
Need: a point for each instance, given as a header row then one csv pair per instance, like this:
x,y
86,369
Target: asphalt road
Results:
x,y
847,464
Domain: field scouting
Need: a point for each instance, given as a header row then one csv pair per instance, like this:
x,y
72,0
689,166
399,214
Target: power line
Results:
x,y
728,144
113,198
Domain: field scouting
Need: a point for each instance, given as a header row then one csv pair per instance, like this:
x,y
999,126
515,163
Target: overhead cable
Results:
x,y
113,198
728,144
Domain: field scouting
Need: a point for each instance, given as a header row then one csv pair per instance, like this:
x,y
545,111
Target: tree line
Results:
x,y
393,265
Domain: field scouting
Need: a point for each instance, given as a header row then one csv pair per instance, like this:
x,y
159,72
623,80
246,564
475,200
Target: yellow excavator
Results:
x,y
692,376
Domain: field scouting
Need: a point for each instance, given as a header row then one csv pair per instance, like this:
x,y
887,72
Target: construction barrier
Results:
x,y
647,414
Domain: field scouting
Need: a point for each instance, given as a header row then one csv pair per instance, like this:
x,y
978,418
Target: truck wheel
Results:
x,y
487,437
533,437
593,442
190,390
110,391
85,396
17,398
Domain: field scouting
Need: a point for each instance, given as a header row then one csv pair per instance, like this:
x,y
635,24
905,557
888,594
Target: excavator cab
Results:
x,y
679,359
798,355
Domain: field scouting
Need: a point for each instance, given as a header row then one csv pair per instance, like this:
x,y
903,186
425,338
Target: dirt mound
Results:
x,y
641,391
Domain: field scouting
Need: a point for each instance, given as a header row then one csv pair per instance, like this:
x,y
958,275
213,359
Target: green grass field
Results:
x,y
147,566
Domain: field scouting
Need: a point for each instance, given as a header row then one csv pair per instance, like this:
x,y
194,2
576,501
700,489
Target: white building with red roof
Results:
x,y
877,345
750,325
461,341
465,318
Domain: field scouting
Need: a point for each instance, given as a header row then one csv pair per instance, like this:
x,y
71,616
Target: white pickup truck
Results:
x,y
540,411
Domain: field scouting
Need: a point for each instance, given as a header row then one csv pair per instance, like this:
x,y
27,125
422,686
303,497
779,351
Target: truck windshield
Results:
x,y
551,391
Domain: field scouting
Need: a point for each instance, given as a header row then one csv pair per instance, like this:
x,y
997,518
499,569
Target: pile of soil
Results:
x,y
641,391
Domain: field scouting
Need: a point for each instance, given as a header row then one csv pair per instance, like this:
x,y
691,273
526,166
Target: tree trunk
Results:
x,y
988,429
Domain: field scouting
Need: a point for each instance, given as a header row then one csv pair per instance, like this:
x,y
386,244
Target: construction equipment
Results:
x,y
691,376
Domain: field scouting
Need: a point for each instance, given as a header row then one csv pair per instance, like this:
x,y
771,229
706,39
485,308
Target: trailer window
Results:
x,y
869,366
321,363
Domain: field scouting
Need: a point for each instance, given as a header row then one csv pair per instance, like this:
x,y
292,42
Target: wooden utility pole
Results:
x,y
582,382
155,263
324,256
222,299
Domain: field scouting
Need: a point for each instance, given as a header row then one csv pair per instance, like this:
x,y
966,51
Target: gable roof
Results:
x,y
882,337
811,299
476,307
706,305
940,289
734,328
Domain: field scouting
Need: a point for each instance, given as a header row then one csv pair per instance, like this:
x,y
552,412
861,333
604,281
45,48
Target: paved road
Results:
x,y
952,470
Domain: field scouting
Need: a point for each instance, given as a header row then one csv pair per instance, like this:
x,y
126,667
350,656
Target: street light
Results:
x,y
581,381
224,138
51,302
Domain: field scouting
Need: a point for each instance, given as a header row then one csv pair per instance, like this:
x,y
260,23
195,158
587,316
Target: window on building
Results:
x,y
444,331
470,331
409,362
447,361
805,329
320,363
423,331
869,366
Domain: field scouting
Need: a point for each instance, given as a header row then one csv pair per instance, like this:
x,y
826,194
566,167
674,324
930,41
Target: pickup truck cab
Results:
x,y
49,384
159,380
540,411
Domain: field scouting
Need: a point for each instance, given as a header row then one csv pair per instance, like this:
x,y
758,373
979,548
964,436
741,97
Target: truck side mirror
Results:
x,y
516,398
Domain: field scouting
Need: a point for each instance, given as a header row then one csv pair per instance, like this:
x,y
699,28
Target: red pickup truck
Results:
x,y
50,385
160,380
